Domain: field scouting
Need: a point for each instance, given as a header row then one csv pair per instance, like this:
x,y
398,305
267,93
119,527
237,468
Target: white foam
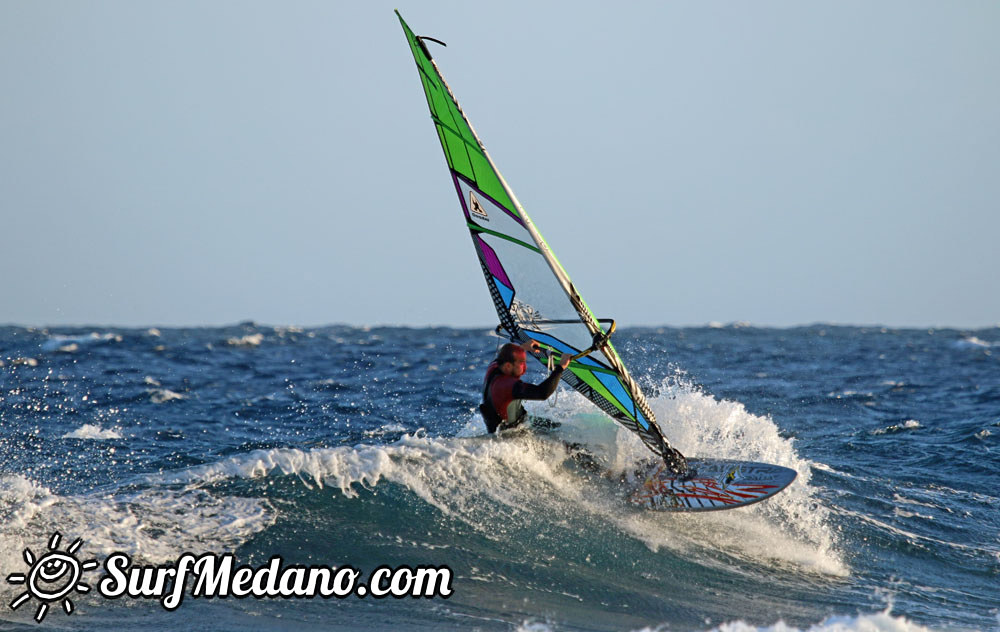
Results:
x,y
163,395
972,342
909,424
903,500
384,430
250,340
793,527
153,525
69,344
428,467
91,431
899,512
878,622
501,478
534,626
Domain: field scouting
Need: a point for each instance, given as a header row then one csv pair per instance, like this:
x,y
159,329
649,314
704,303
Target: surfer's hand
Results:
x,y
531,346
566,359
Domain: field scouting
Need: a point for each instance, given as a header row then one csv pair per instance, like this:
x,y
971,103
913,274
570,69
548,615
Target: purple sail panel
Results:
x,y
492,263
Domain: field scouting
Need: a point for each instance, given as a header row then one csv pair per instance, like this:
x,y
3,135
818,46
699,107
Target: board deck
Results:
x,y
714,485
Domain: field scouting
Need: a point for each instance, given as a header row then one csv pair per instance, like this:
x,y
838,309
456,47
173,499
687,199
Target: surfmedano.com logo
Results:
x,y
52,577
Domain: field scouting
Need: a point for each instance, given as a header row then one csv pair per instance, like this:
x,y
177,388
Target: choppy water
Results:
x,y
359,446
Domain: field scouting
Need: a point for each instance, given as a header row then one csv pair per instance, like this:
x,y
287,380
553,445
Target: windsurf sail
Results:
x,y
532,293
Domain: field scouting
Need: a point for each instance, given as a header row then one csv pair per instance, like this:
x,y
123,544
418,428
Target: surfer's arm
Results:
x,y
537,392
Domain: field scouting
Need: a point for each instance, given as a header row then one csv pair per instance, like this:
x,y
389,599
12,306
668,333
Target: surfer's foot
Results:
x,y
687,475
542,423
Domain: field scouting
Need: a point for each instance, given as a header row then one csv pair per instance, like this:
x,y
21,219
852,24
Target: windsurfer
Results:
x,y
503,390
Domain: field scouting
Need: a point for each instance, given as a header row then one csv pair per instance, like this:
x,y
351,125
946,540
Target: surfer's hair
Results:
x,y
510,352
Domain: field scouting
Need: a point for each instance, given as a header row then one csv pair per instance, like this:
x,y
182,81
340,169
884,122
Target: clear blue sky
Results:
x,y
199,163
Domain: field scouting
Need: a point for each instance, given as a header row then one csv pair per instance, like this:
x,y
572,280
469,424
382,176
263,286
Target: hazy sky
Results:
x,y
199,163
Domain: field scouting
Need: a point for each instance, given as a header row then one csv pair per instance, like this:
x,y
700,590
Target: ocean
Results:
x,y
360,447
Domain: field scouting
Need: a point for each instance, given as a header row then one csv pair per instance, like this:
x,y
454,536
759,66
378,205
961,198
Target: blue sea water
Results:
x,y
360,446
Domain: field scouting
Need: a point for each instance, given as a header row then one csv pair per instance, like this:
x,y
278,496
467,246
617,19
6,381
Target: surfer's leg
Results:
x,y
516,415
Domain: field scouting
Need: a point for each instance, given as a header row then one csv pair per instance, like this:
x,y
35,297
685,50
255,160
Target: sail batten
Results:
x,y
531,291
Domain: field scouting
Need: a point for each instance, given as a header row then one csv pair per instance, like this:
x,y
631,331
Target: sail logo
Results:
x,y
476,207
526,315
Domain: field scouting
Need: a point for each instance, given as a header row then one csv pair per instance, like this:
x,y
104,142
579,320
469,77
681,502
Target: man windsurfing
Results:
x,y
504,391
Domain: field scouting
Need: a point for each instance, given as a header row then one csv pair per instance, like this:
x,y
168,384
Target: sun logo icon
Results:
x,y
52,577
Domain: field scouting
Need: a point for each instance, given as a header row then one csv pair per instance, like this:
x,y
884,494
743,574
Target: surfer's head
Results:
x,y
512,360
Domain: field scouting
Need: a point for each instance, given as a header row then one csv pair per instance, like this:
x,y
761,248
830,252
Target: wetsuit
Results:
x,y
503,394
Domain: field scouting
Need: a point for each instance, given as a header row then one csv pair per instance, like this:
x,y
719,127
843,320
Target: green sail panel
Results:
x,y
462,148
